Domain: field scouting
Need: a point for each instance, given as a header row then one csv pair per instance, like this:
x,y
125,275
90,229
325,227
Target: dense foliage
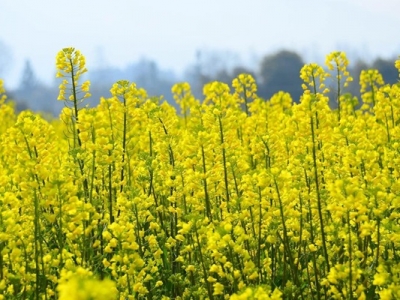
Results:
x,y
233,197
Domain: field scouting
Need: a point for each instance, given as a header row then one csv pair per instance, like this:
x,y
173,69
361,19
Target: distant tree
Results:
x,y
387,69
227,76
242,70
106,75
156,81
5,58
281,72
149,75
211,65
145,73
28,79
33,94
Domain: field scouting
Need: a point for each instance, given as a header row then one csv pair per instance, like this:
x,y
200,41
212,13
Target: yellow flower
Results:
x,y
81,285
218,289
70,64
381,277
397,65
190,268
312,247
159,283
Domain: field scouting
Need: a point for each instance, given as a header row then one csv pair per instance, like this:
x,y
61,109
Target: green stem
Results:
x,y
207,197
319,200
285,236
110,195
221,131
124,144
259,236
209,290
245,101
310,219
1,260
338,93
350,256
60,229
36,241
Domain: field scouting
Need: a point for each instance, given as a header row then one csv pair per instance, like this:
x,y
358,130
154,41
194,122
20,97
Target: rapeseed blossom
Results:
x,y
80,285
232,197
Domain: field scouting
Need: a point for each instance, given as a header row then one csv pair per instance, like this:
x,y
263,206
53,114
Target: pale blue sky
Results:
x,y
170,32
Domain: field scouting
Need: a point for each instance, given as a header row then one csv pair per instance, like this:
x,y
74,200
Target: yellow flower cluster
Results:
x,y
338,61
257,293
314,77
235,197
6,111
2,92
80,285
397,65
71,62
245,90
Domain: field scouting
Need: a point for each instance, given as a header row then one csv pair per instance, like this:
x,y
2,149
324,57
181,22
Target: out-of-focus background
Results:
x,y
157,43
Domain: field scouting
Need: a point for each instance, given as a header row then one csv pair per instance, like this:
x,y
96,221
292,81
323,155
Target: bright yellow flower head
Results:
x,y
183,96
313,76
69,60
338,61
246,84
217,93
71,64
370,81
87,289
3,97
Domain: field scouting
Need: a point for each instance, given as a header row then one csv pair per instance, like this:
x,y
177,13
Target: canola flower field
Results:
x,y
233,197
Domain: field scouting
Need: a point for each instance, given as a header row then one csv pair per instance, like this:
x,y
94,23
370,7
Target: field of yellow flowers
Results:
x,y
233,197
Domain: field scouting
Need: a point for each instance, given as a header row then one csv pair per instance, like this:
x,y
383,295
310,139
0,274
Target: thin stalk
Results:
x,y
110,195
391,112
378,241
221,131
36,225
1,260
60,229
150,167
338,86
209,290
309,277
124,133
207,197
174,215
75,102
252,221
319,200
93,168
259,236
373,92
300,229
387,128
238,193
310,218
76,132
285,239
350,256
36,241
245,101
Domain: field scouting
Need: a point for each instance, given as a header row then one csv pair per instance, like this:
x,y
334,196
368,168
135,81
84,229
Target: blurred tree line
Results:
x,y
273,73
